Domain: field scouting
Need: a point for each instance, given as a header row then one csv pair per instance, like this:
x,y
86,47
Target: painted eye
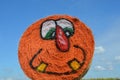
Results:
x,y
68,31
67,26
48,29
67,34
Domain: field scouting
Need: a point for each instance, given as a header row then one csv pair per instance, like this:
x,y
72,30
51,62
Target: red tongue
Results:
x,y
61,39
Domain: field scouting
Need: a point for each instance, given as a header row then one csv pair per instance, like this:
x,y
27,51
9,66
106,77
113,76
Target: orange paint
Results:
x,y
58,47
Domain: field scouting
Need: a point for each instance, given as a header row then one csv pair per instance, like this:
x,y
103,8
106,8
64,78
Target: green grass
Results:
x,y
102,79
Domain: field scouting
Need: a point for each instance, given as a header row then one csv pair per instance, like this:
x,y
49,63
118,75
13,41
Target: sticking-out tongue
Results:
x,y
61,39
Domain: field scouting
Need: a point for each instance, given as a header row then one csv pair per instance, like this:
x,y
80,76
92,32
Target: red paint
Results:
x,y
61,39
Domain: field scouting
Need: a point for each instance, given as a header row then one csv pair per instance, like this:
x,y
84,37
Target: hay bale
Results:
x,y
58,47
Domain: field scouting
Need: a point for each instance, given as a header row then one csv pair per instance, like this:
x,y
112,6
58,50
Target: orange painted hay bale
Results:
x,y
59,47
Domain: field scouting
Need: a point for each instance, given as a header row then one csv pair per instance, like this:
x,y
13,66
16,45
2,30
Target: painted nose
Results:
x,y
62,41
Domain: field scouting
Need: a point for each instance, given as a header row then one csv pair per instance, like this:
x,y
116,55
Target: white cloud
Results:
x,y
110,67
9,79
100,68
6,78
99,49
117,58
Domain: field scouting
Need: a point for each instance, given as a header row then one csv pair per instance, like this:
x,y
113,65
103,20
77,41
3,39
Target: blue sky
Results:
x,y
102,16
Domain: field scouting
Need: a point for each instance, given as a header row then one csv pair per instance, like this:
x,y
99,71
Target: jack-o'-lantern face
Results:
x,y
56,48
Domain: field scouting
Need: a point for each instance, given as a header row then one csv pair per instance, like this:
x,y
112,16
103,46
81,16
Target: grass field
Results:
x,y
102,79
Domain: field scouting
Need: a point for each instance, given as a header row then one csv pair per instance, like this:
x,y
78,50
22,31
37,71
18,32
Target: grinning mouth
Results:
x,y
74,64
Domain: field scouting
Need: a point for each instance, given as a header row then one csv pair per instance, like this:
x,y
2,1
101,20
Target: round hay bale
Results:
x,y
58,47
